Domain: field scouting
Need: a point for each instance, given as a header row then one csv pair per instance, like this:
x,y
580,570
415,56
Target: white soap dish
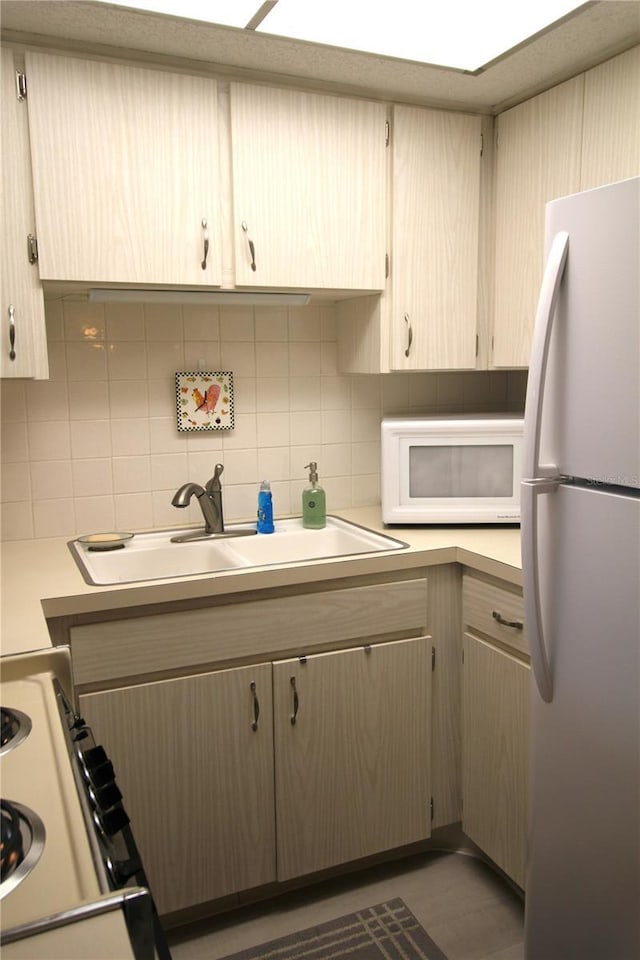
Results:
x,y
105,541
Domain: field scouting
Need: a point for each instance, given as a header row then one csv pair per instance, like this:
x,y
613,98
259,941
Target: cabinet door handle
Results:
x,y
516,624
256,705
252,249
203,264
32,248
12,332
296,702
407,320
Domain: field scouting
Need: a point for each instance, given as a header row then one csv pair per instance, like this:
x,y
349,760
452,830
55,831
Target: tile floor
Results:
x,y
470,912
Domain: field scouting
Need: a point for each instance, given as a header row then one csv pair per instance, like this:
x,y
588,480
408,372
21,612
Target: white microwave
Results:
x,y
451,469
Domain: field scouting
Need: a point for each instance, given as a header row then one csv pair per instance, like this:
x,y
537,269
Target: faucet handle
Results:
x,y
214,482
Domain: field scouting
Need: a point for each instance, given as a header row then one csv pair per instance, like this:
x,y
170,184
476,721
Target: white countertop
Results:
x,y
40,580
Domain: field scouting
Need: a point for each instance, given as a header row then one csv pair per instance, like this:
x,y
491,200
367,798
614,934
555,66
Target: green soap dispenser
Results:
x,y
314,508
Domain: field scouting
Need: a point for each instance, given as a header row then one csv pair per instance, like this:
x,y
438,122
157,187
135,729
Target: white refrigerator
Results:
x,y
580,500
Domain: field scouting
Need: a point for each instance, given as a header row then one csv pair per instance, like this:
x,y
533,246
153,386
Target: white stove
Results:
x,y
72,883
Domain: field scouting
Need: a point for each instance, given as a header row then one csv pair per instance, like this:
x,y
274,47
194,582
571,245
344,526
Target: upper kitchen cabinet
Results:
x,y
427,318
434,275
23,339
125,168
611,134
579,135
309,189
538,159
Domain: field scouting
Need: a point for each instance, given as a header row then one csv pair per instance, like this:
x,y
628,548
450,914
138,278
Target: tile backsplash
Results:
x,y
97,447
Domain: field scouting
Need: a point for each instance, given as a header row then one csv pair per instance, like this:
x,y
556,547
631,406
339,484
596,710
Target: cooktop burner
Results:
x,y
23,837
15,726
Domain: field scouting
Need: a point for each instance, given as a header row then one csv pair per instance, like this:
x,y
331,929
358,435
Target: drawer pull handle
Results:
x,y
256,706
516,624
296,702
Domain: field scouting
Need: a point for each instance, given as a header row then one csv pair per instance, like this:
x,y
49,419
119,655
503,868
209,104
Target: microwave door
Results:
x,y
461,471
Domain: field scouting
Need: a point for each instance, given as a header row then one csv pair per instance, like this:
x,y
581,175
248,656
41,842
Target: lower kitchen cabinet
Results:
x,y
352,753
494,754
196,772
495,728
349,733
291,733
224,791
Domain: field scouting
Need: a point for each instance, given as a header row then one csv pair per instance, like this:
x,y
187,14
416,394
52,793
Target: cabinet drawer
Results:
x,y
494,610
261,628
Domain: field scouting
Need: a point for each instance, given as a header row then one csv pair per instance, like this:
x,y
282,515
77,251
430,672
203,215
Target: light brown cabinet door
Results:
x,y
611,135
22,324
309,187
495,752
197,779
436,211
538,159
125,166
353,770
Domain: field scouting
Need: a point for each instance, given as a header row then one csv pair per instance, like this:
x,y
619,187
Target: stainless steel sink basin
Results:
x,y
154,556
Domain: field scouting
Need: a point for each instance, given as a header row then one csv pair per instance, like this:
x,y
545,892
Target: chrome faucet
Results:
x,y
209,498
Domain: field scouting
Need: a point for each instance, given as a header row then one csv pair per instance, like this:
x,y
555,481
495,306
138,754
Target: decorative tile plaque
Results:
x,y
204,400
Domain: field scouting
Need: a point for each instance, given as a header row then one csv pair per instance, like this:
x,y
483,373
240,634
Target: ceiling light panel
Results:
x,y
229,13
463,34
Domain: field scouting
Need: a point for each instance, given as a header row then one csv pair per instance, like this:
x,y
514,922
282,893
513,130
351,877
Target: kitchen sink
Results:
x,y
156,556
152,556
291,542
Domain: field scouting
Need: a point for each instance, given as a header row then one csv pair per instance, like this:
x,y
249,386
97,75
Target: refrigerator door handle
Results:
x,y
530,491
545,313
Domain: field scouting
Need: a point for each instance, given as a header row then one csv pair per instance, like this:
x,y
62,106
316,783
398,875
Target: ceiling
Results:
x,y
593,33
427,32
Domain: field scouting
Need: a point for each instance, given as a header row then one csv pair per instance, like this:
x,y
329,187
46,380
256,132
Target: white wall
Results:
x,y
96,447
